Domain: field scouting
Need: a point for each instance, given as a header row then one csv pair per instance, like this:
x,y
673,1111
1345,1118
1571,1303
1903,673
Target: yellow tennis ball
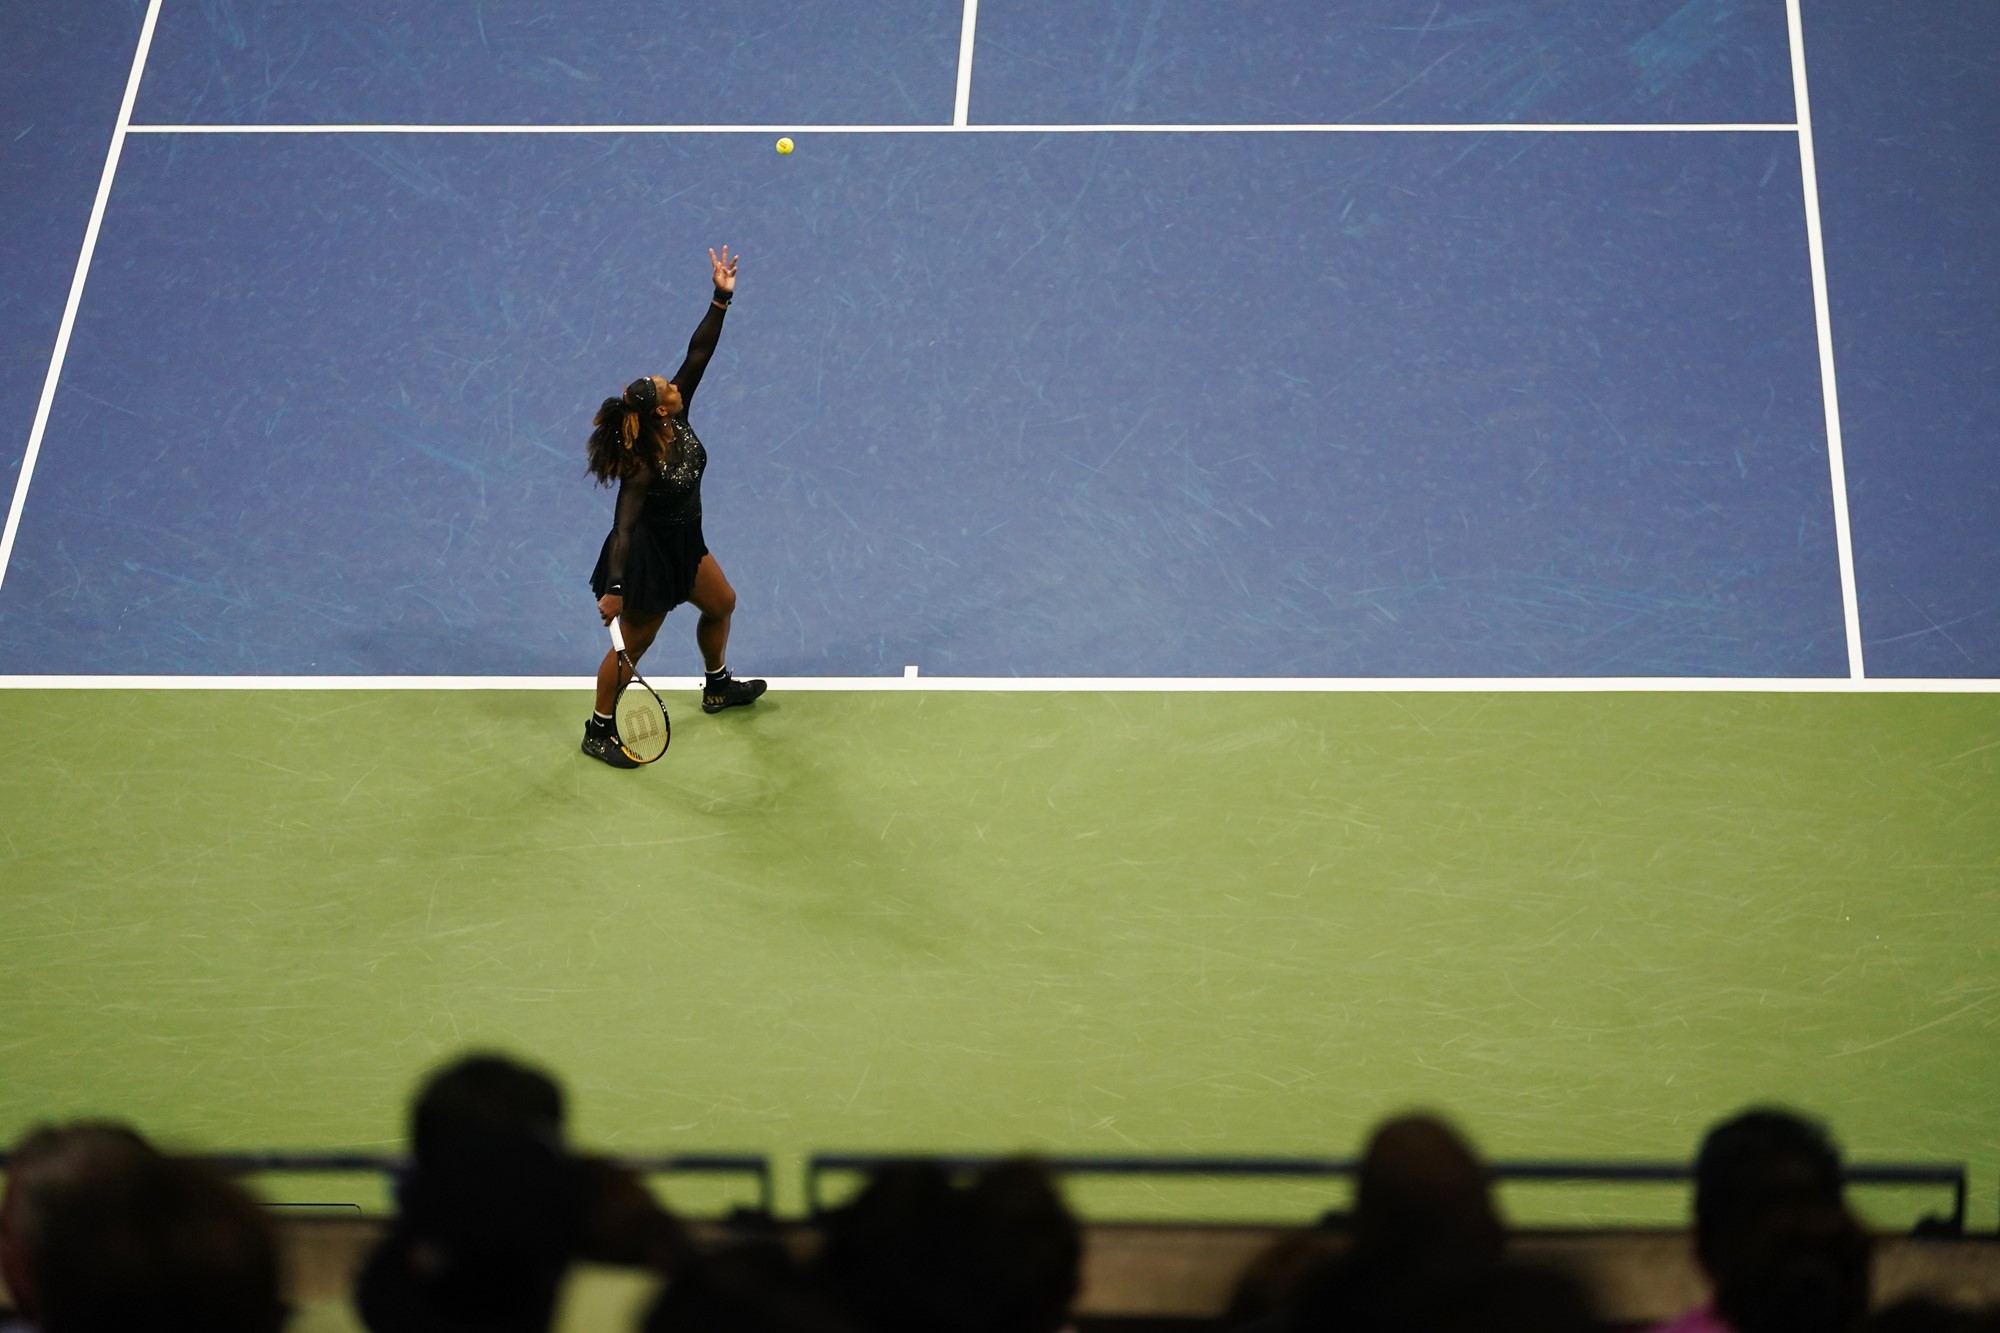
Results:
x,y
784,145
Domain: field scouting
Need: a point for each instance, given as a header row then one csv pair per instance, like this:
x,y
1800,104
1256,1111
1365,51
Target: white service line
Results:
x,y
54,375
961,105
1063,684
1829,390
796,130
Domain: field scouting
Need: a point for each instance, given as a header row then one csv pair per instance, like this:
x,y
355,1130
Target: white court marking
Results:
x,y
911,681
961,105
1503,127
1836,457
35,433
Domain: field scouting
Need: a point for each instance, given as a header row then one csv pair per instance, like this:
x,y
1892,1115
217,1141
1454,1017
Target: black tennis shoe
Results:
x,y
604,745
730,692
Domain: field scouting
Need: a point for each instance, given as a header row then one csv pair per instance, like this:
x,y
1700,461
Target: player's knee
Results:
x,y
639,636
722,605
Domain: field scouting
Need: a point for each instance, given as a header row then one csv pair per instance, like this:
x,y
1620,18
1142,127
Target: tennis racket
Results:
x,y
641,719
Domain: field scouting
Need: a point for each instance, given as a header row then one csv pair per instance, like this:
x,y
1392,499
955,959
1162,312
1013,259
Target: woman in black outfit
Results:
x,y
654,558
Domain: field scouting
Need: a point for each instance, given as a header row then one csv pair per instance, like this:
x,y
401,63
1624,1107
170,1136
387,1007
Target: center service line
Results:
x,y
962,103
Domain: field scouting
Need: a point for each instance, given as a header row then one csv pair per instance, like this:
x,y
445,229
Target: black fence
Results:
x,y
1950,1176
754,1165
1944,1176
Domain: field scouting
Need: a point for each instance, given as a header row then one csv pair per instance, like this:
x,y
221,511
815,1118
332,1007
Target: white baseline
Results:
x,y
1048,684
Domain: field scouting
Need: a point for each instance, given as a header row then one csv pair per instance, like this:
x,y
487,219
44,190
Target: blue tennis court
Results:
x,y
1168,400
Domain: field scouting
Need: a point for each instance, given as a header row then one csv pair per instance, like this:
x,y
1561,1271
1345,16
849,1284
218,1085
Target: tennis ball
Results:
x,y
784,145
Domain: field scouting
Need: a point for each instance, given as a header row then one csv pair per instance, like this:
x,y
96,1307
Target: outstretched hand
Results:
x,y
725,269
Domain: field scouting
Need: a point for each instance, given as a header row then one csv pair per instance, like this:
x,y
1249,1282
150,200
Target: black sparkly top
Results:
x,y
673,488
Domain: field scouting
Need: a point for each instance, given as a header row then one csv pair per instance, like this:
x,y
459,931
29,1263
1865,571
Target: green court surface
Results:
x,y
1585,924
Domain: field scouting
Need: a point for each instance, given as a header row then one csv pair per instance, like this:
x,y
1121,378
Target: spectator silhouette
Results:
x,y
492,1211
1772,1233
162,1244
1425,1250
754,1287
1423,1203
47,1160
917,1252
624,1224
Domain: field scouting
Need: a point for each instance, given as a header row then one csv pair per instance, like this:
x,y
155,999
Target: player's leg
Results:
x,y
599,733
640,630
716,600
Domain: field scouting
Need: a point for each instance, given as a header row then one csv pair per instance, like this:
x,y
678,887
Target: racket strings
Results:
x,y
642,723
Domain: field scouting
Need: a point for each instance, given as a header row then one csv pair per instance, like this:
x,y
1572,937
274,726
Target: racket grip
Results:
x,y
617,636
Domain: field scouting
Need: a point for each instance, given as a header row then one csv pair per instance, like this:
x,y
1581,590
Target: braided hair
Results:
x,y
629,437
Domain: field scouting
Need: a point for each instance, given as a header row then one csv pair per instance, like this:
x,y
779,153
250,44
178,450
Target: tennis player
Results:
x,y
654,557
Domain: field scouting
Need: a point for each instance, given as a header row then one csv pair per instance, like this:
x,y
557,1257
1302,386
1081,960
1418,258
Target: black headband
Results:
x,y
643,394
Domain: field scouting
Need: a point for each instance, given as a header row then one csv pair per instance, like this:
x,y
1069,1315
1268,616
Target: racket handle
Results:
x,y
617,635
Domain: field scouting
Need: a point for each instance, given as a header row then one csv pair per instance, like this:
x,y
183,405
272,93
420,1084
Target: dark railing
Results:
x,y
320,1163
1948,1175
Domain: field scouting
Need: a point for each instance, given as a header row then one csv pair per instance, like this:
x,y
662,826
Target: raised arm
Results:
x,y
702,346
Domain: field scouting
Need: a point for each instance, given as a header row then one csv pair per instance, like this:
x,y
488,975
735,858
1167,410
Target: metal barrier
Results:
x,y
321,1163
1950,1175
1947,1175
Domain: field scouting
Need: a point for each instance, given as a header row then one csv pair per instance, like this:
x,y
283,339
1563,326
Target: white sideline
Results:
x,y
49,382
1064,684
961,106
1504,127
1836,457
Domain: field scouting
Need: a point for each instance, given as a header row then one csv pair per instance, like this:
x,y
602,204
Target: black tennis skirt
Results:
x,y
659,566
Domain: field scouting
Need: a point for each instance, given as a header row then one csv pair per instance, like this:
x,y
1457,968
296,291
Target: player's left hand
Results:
x,y
725,269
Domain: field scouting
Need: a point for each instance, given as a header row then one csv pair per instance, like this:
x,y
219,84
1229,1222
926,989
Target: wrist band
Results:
x,y
721,297
615,590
